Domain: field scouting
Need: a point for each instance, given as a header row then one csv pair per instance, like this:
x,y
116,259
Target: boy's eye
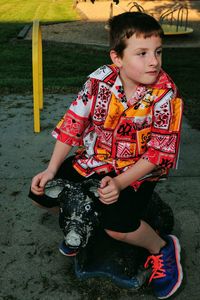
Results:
x,y
159,52
142,53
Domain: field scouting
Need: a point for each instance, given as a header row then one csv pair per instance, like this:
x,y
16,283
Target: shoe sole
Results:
x,y
70,255
180,271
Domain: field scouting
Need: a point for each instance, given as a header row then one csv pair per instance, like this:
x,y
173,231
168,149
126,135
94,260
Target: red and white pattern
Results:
x,y
165,142
162,113
116,133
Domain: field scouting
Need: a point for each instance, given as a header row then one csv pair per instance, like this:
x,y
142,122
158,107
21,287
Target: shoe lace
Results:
x,y
157,266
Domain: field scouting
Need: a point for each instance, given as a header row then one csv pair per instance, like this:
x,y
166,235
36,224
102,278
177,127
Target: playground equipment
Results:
x,y
98,254
174,20
134,5
37,69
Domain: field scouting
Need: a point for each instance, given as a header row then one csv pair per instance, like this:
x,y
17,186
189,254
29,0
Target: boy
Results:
x,y
127,119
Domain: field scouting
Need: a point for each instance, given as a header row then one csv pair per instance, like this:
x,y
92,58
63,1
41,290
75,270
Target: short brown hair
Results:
x,y
123,26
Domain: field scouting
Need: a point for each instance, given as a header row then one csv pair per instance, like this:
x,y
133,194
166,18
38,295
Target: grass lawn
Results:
x,y
27,10
66,66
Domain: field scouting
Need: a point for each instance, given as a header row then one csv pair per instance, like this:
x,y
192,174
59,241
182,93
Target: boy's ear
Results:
x,y
116,59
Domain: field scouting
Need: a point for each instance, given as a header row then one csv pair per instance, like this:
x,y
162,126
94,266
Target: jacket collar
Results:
x,y
109,74
106,74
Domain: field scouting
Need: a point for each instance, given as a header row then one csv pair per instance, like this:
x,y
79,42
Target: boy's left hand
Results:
x,y
109,190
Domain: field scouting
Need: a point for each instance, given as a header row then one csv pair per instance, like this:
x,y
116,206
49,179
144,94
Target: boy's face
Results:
x,y
141,60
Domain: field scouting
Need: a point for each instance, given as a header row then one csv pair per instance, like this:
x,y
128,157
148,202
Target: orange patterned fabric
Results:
x,y
113,133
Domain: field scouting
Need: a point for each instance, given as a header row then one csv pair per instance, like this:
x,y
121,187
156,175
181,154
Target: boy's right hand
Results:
x,y
40,180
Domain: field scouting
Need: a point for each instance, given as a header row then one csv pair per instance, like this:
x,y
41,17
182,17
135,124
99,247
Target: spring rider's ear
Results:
x,y
54,187
92,185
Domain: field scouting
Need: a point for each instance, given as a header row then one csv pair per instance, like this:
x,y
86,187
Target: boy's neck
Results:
x,y
129,92
129,88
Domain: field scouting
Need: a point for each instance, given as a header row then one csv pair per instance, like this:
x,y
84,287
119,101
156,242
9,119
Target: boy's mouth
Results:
x,y
152,73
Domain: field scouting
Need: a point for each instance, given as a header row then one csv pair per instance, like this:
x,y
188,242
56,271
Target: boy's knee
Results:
x,y
120,236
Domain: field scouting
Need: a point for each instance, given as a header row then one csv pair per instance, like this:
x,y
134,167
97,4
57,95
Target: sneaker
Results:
x,y
65,250
167,272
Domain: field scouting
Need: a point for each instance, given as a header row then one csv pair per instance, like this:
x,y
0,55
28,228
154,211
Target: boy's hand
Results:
x,y
109,190
40,180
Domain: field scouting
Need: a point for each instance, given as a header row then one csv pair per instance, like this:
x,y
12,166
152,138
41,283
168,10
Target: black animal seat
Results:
x,y
105,257
120,262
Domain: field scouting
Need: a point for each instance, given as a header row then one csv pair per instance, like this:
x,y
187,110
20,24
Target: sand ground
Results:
x,y
31,266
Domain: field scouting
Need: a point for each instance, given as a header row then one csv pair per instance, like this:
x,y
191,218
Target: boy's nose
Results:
x,y
154,61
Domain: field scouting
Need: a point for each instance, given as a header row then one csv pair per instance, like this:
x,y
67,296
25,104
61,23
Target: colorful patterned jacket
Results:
x,y
113,133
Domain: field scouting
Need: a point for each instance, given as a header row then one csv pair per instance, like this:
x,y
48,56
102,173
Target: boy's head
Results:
x,y
123,26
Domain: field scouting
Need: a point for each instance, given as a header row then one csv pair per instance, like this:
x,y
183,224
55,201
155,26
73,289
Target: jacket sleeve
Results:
x,y
71,127
163,146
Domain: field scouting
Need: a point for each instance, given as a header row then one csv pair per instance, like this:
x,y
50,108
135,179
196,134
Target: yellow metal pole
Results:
x,y
40,71
37,73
